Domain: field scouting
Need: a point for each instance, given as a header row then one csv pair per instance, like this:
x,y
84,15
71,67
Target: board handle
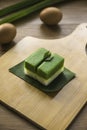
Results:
x,y
81,31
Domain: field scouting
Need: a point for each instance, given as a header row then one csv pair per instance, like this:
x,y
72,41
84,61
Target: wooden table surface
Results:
x,y
74,13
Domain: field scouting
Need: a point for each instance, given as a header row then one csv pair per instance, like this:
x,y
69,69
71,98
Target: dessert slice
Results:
x,y
44,66
36,58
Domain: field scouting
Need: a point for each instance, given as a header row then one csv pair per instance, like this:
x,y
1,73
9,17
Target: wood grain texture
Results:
x,y
33,103
74,14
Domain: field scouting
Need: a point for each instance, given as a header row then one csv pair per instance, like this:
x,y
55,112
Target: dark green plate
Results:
x,y
55,86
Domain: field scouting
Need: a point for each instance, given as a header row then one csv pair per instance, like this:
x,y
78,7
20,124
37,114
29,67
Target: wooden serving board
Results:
x,y
50,112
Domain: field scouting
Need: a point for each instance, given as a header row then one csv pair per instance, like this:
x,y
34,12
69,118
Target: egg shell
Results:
x,y
51,15
7,33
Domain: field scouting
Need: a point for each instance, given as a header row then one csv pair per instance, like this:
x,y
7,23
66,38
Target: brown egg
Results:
x,y
7,33
51,15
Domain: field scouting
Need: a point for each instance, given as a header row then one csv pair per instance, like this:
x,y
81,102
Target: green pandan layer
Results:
x,y
35,59
49,67
43,63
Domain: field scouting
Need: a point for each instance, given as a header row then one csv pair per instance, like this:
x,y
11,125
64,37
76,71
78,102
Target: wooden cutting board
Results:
x,y
50,112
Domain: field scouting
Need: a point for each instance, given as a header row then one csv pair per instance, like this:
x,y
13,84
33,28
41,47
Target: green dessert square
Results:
x,y
43,66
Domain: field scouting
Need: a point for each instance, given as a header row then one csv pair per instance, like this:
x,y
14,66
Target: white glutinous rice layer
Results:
x,y
41,79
